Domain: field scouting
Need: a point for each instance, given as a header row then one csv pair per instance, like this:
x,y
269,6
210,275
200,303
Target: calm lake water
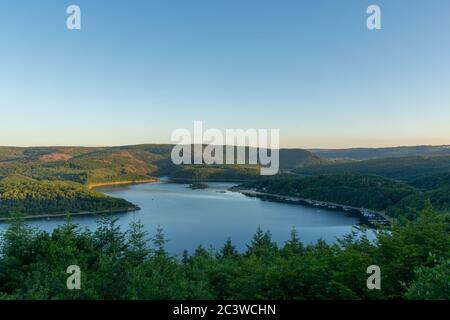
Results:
x,y
208,216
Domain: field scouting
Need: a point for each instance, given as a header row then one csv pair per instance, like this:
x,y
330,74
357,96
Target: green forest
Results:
x,y
31,197
398,199
414,258
406,169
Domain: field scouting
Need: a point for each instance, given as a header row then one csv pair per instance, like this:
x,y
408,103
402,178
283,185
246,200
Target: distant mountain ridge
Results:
x,y
398,168
135,162
377,153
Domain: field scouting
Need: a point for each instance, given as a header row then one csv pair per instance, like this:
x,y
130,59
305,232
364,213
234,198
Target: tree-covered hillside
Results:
x,y
404,168
397,198
356,190
93,165
24,195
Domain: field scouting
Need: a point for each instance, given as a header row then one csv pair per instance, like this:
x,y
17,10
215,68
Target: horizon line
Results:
x,y
289,148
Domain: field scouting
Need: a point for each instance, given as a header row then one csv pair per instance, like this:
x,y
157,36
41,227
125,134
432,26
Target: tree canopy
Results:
x,y
116,264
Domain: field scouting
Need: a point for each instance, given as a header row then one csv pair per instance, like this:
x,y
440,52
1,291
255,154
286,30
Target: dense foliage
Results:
x,y
413,258
405,169
398,199
350,189
24,195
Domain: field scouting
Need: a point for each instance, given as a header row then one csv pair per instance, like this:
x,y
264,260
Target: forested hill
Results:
x,y
406,169
360,190
356,190
429,176
93,165
23,195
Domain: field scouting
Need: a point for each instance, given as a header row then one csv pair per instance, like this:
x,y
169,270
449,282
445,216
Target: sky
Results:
x,y
138,70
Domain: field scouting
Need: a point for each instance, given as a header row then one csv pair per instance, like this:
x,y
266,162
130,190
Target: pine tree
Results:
x,y
293,245
228,250
159,242
262,244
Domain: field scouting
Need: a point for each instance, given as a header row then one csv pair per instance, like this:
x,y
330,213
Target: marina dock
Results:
x,y
370,217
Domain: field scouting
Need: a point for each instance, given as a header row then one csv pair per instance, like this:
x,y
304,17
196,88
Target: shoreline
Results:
x,y
372,217
83,213
94,185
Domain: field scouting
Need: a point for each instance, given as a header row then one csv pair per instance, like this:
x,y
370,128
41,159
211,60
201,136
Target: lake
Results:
x,y
208,216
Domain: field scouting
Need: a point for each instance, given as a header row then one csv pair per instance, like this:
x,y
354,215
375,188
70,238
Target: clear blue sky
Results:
x,y
139,69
